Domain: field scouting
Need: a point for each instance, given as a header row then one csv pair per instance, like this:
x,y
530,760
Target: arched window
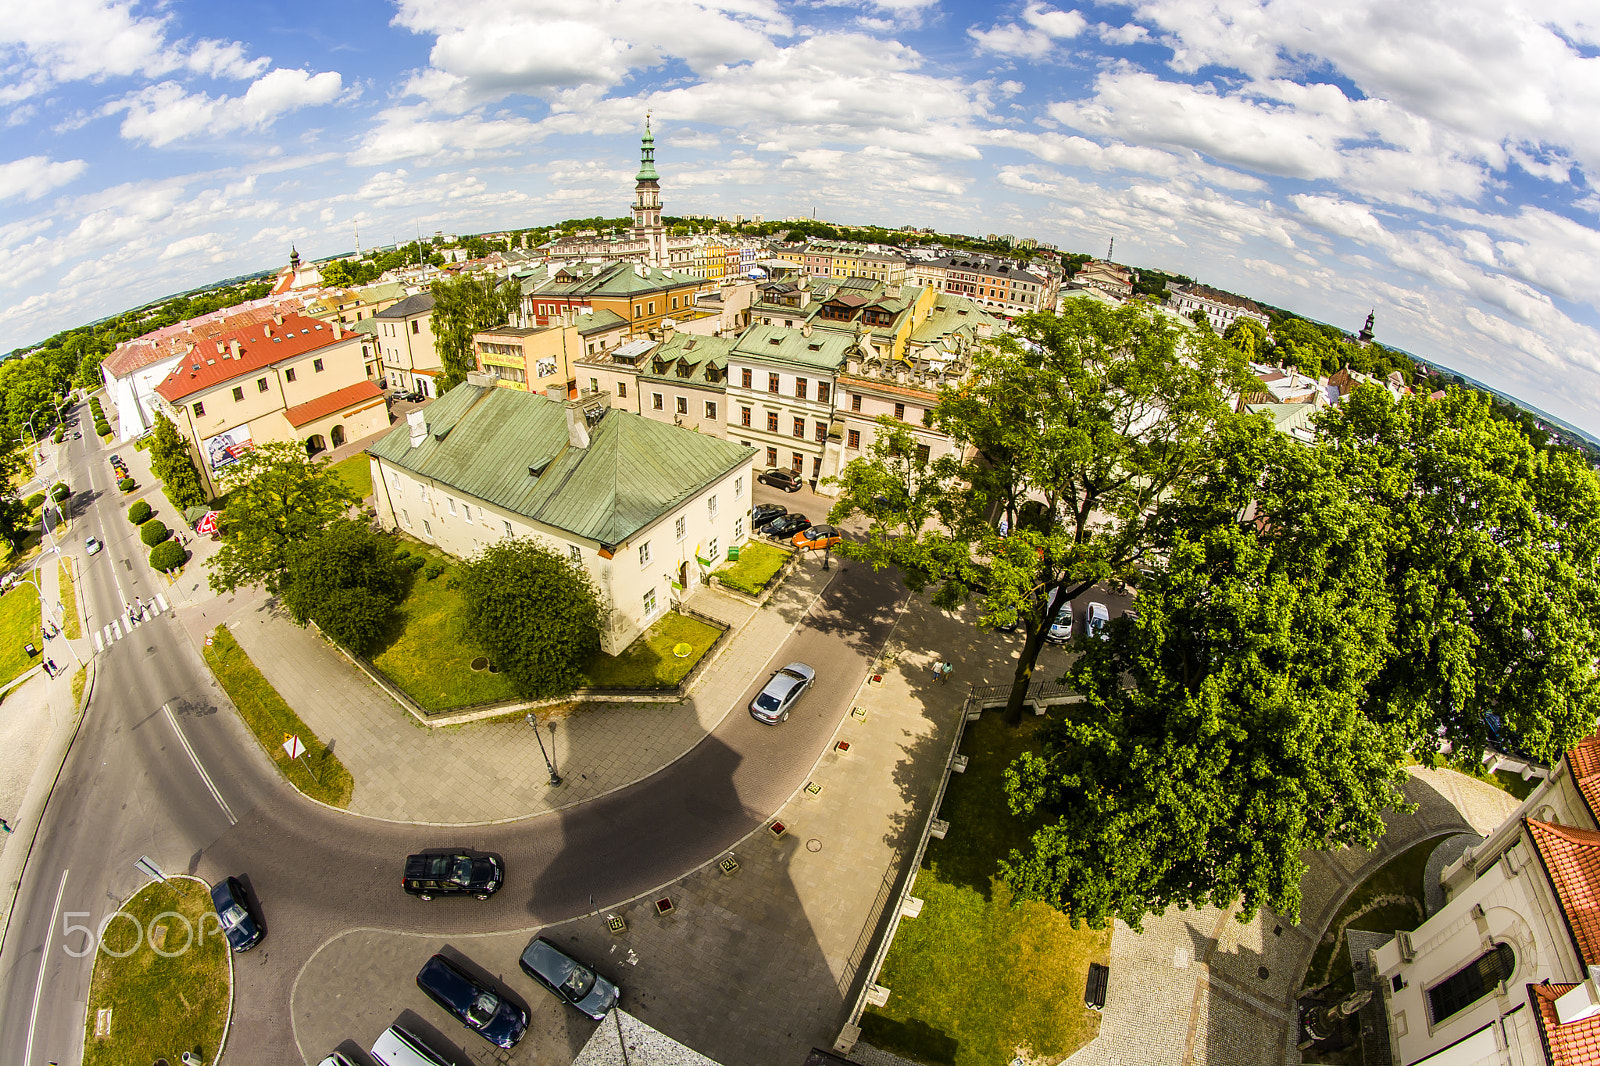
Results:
x,y
1471,983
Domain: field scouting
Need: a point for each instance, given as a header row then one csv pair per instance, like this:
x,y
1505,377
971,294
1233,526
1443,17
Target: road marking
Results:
x,y
162,600
167,707
99,645
116,630
44,960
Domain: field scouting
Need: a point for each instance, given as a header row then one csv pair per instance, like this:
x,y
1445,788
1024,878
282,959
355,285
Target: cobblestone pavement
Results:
x,y
1198,986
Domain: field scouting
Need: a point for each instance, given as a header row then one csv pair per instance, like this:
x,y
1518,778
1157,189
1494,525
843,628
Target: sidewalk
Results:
x,y
491,771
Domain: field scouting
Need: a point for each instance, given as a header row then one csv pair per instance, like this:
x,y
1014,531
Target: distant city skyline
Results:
x,y
1434,163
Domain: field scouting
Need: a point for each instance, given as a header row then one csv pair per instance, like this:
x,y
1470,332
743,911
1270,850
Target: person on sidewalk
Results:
x,y
54,669
939,670
945,671
5,826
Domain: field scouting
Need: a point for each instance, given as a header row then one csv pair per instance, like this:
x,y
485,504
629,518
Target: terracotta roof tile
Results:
x,y
1573,1044
167,341
310,411
1584,761
1572,859
258,347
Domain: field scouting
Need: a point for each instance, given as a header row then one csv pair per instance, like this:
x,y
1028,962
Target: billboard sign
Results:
x,y
225,448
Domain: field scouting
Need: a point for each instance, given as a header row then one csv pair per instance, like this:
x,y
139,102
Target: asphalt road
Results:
x,y
161,768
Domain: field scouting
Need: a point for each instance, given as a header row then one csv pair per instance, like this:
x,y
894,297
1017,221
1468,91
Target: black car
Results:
x,y
568,979
116,460
476,1005
766,512
233,914
452,873
776,476
785,526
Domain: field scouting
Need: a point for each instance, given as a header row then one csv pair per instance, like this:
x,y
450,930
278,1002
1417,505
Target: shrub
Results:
x,y
32,502
59,491
415,563
60,436
126,484
168,555
153,532
433,570
401,553
139,513
101,429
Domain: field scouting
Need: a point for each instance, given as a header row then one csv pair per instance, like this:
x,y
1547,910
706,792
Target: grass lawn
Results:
x,y
79,679
1400,876
269,718
757,563
649,662
19,624
356,472
973,979
159,1006
69,602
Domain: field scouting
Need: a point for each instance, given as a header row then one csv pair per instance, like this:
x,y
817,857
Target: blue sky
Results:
x,y
1434,162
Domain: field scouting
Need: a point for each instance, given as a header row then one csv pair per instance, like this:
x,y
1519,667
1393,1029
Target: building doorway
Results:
x,y
337,436
315,444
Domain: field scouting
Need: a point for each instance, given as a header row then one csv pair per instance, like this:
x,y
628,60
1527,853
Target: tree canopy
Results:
x,y
344,579
277,498
463,306
170,461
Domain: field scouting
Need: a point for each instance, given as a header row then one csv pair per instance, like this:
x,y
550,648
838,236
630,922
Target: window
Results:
x,y
772,455
452,504
466,512
711,550
922,453
800,427
900,411
576,552
674,303
316,364
652,306
261,384
407,516
508,530
416,325
738,487
288,375
822,432
427,530
655,400
622,390
800,388
772,384
738,528
644,554
816,466
238,393
822,392
683,405
797,462
854,440
638,310
680,527
594,383
199,410
855,401
744,377
650,603
711,508
744,416
711,410
1471,983
772,421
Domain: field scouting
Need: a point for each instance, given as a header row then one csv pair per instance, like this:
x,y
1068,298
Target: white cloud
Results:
x,y
1035,37
36,175
162,113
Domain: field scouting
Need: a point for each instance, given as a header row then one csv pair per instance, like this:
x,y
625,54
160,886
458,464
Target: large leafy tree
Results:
x,y
170,461
277,498
463,306
1083,425
345,580
536,613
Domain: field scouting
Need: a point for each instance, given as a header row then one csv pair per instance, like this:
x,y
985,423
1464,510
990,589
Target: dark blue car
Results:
x,y
475,1005
233,912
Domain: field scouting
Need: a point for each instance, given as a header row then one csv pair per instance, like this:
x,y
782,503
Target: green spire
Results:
x,y
647,155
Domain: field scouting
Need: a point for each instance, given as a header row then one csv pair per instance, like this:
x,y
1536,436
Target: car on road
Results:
x,y
568,979
774,702
336,1059
91,545
475,1004
779,478
1060,628
452,873
766,512
1099,621
233,913
817,537
785,526
401,1047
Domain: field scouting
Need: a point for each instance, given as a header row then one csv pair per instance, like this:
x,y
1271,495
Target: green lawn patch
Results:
x,y
1400,876
160,1006
756,566
79,679
356,472
69,602
270,718
19,624
652,660
973,979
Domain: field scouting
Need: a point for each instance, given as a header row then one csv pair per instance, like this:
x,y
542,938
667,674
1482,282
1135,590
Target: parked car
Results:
x,y
452,873
336,1059
92,545
774,702
116,460
1060,628
1099,621
766,512
475,1005
817,537
777,477
568,979
785,526
401,1047
233,912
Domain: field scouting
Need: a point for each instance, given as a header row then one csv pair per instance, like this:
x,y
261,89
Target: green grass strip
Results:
x,y
757,563
652,661
20,624
70,626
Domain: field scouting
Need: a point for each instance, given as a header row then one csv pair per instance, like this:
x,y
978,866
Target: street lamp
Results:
x,y
533,720
32,581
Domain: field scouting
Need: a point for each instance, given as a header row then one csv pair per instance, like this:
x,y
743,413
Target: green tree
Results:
x,y
277,498
536,612
1092,418
1248,337
346,581
463,306
170,461
336,274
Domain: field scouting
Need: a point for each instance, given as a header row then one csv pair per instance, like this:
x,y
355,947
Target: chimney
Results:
x,y
417,423
233,346
266,331
277,320
483,378
805,330
221,347
337,332
578,422
555,394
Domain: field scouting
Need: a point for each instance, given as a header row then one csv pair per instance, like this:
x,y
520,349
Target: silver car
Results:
x,y
1099,621
568,979
773,703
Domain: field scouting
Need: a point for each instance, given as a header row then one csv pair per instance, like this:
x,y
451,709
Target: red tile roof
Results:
x,y
259,345
1584,761
167,341
1572,859
310,411
1573,1044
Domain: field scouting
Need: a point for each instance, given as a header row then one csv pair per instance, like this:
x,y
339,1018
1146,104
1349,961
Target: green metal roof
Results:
x,y
822,350
696,354
634,470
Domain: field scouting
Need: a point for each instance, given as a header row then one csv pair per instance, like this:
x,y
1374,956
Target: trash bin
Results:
x,y
733,555
30,649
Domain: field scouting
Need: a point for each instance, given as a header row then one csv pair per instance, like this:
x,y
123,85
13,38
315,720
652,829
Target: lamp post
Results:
x,y
34,582
533,720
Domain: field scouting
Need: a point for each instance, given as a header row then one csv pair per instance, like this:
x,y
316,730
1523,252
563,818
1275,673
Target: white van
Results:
x,y
401,1047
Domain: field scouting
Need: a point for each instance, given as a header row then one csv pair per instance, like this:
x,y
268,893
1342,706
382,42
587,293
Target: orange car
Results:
x,y
817,537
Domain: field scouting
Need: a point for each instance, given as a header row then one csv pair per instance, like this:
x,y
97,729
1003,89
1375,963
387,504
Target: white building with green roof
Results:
x,y
644,506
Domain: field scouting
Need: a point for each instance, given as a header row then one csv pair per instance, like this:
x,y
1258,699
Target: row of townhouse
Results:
x,y
1002,286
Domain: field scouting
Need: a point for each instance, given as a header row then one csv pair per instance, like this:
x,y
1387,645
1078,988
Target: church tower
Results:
x,y
1364,338
647,225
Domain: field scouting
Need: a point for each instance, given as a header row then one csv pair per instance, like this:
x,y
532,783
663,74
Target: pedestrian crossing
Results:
x,y
118,628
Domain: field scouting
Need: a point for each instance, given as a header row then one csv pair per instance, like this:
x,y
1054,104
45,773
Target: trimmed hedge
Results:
x,y
59,491
168,555
153,533
32,502
126,484
139,513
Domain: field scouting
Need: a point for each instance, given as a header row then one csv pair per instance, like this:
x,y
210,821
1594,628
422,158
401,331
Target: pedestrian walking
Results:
x,y
939,670
51,665
945,672
5,826
1005,527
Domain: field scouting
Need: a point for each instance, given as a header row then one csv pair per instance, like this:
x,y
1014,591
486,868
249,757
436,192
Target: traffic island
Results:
x,y
163,978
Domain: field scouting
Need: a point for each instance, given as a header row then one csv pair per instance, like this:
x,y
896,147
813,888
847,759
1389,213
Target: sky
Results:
x,y
1433,162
